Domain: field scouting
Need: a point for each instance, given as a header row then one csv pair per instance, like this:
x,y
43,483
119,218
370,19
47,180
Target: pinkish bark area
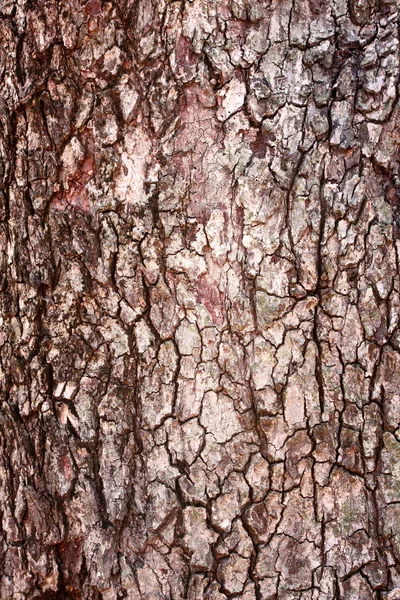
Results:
x,y
200,299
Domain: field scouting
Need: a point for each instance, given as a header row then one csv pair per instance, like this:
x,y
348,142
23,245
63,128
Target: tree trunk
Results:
x,y
200,368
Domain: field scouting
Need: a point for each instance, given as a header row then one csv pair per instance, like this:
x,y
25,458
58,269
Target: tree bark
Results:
x,y
199,352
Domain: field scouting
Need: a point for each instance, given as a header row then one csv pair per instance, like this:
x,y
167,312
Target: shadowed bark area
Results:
x,y
199,344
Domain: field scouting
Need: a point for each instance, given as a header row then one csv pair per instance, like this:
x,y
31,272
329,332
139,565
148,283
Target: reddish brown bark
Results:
x,y
199,349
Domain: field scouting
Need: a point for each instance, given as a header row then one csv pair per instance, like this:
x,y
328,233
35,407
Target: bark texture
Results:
x,y
200,368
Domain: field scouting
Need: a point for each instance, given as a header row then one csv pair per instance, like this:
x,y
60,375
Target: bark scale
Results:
x,y
200,369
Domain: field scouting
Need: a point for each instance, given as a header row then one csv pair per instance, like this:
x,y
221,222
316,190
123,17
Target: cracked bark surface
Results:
x,y
200,368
